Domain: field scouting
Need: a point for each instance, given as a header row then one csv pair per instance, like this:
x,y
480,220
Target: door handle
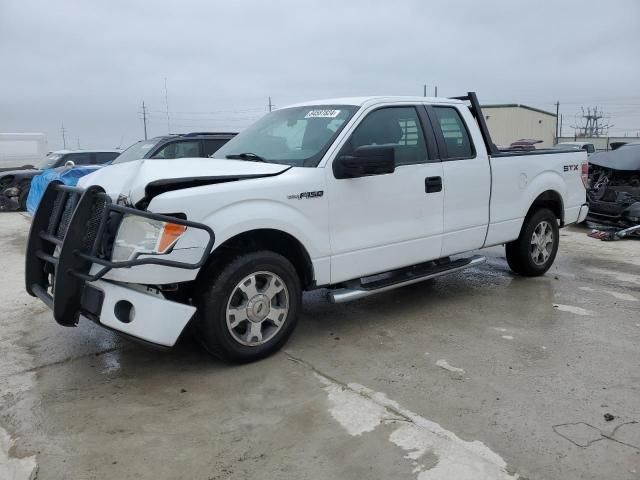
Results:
x,y
433,184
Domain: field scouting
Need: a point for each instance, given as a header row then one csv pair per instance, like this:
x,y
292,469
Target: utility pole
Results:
x,y
436,90
270,104
78,138
560,125
64,140
557,117
424,90
166,102
144,119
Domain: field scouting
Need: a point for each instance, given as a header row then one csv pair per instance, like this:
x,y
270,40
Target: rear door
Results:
x,y
466,179
382,222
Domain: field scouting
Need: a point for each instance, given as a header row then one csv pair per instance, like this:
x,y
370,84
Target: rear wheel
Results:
x,y
248,306
534,251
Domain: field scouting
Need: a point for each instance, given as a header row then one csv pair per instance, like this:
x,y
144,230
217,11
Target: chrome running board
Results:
x,y
400,278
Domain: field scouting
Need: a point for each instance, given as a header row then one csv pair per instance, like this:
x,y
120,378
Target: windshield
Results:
x,y
297,136
49,161
136,151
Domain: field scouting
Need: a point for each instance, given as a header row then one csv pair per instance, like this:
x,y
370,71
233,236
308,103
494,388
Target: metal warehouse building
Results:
x,y
510,122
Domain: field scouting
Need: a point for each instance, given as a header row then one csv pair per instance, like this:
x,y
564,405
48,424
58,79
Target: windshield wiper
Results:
x,y
246,156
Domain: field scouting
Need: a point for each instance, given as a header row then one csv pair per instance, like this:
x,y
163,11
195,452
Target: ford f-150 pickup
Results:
x,y
354,195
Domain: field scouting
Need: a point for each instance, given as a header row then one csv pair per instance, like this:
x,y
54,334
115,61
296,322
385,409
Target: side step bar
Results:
x,y
401,278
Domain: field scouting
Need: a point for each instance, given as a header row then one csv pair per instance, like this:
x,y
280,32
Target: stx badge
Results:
x,y
570,168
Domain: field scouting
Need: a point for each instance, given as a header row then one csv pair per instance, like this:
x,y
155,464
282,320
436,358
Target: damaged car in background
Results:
x,y
614,193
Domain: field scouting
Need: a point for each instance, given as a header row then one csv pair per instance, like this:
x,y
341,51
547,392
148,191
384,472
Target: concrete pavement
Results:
x,y
478,375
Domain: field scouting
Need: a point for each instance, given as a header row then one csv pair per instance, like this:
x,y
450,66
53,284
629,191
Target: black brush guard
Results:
x,y
69,233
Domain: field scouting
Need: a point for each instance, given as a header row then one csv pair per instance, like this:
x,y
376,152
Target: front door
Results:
x,y
383,222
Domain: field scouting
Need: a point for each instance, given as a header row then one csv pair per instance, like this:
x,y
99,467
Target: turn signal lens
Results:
x,y
169,236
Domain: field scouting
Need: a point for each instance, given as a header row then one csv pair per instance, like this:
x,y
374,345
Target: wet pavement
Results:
x,y
479,375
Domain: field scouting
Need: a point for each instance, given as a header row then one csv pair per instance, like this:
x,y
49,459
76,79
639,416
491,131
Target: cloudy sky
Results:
x,y
90,64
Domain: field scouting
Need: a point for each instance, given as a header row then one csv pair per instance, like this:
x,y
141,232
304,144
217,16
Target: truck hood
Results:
x,y
143,179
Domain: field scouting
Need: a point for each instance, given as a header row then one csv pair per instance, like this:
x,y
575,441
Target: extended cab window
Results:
x,y
394,126
179,150
454,131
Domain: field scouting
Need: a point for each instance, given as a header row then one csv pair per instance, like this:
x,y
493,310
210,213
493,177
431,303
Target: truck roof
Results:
x,y
95,150
362,101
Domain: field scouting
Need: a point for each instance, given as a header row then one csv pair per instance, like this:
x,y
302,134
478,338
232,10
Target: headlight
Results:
x,y
11,192
138,235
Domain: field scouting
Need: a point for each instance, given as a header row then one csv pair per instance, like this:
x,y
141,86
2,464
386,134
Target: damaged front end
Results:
x,y
613,191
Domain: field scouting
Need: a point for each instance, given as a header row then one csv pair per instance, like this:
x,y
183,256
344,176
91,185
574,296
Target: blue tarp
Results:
x,y
65,175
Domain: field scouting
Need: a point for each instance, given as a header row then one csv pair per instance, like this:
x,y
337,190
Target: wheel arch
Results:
x,y
274,240
550,199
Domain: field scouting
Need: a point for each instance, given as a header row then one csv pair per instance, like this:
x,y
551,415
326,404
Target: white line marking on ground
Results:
x,y
444,364
500,329
507,337
587,289
572,309
456,458
622,296
623,277
14,468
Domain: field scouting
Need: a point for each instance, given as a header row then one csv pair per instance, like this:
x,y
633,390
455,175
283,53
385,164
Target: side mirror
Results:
x,y
69,164
365,161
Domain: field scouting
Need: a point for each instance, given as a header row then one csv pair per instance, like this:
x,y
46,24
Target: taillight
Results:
x,y
585,175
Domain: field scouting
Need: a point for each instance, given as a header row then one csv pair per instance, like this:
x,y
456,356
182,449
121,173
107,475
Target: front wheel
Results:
x,y
247,306
533,253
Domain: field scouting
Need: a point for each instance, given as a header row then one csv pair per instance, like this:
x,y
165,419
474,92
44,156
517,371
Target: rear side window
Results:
x,y
179,150
395,126
212,146
105,157
79,158
454,131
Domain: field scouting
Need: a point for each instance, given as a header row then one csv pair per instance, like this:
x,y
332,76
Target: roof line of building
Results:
x,y
516,105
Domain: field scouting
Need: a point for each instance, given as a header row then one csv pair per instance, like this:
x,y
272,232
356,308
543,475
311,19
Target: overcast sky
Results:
x,y
90,64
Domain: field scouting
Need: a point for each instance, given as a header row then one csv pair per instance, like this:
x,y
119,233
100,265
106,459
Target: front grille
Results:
x,y
63,207
93,223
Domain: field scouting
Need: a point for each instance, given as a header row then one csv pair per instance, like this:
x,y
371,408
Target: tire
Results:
x,y
22,198
529,258
247,306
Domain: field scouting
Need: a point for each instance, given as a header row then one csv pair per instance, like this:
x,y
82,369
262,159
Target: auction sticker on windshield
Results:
x,y
322,114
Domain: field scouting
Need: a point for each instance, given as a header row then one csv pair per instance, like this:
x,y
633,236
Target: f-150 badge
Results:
x,y
302,195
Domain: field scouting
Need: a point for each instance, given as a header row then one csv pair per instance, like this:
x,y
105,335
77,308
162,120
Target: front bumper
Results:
x,y
72,231
136,312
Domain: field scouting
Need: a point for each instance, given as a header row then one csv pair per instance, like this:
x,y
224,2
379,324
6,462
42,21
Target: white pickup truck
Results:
x,y
355,195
